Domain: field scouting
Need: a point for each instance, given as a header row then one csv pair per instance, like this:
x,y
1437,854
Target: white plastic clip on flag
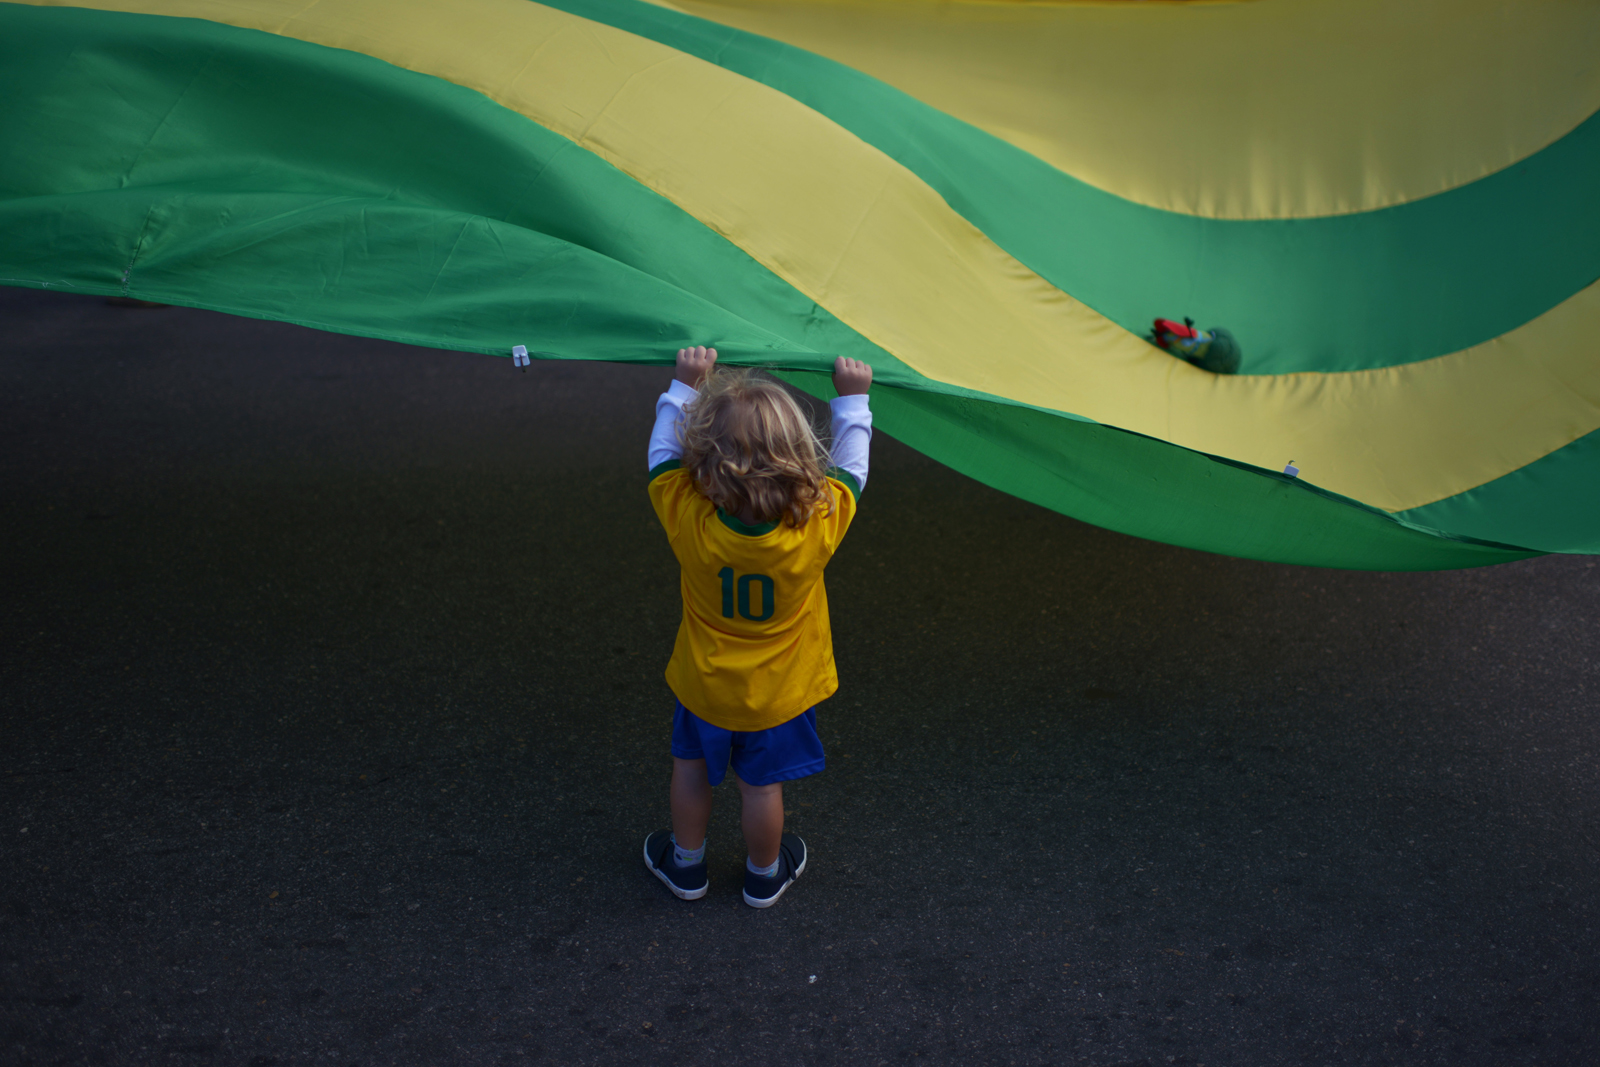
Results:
x,y
1291,470
519,356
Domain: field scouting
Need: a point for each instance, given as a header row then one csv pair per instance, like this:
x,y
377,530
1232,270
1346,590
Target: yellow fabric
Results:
x,y
1270,109
743,662
869,241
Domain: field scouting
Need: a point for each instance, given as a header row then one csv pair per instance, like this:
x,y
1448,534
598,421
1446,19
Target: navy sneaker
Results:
x,y
762,892
686,883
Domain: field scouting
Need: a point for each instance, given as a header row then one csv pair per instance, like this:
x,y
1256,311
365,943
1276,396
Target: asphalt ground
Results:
x,y
333,722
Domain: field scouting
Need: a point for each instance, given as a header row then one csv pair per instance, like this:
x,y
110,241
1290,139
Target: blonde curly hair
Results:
x,y
746,443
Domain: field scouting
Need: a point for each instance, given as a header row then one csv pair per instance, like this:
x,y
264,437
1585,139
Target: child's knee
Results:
x,y
755,791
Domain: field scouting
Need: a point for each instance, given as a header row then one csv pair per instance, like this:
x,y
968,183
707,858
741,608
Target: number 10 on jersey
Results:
x,y
768,594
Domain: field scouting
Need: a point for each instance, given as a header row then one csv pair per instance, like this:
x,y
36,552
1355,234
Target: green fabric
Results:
x,y
1552,504
1371,289
1138,485
663,467
250,173
192,163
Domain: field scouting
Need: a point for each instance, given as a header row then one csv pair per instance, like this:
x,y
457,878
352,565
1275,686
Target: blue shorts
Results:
x,y
759,757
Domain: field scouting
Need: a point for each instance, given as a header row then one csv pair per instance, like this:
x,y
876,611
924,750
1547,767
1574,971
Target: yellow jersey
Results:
x,y
754,648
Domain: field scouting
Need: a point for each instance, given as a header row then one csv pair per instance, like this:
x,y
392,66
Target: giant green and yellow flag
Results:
x,y
1393,204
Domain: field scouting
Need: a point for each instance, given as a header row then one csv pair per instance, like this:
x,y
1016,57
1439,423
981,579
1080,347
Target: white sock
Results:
x,y
687,857
764,872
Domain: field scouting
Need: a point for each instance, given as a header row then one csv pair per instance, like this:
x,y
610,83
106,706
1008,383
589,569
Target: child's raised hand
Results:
x,y
694,364
851,376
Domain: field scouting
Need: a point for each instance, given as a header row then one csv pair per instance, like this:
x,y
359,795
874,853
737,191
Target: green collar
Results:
x,y
734,523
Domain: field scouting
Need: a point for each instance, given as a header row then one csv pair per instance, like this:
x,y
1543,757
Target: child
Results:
x,y
739,481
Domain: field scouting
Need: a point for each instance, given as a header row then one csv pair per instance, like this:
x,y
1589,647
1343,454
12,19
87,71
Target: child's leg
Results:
x,y
761,820
691,803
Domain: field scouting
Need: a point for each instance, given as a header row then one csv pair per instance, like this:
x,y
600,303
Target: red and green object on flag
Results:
x,y
980,200
1213,350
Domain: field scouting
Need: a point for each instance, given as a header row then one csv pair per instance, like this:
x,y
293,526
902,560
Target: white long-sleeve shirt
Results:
x,y
852,430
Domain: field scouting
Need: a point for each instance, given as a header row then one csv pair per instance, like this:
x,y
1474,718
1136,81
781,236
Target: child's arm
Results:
x,y
693,365
852,419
